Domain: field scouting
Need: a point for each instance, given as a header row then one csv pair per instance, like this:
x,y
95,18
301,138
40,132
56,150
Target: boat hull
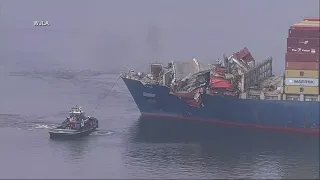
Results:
x,y
75,134
292,116
71,133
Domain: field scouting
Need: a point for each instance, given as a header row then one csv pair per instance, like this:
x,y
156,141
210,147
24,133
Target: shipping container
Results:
x,y
301,73
312,19
301,90
302,66
317,23
310,97
315,50
292,97
306,27
304,33
310,82
302,57
303,42
244,54
307,24
311,23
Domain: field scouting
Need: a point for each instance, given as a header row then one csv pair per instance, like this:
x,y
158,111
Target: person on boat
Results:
x,y
65,123
82,123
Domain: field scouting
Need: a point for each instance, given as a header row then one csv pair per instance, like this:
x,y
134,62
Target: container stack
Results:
x,y
302,58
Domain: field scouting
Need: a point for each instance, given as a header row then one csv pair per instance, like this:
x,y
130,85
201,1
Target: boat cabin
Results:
x,y
76,114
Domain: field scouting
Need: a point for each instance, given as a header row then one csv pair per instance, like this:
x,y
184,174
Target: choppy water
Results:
x,y
127,146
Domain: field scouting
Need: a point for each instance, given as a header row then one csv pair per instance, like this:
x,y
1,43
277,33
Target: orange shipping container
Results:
x,y
301,90
302,73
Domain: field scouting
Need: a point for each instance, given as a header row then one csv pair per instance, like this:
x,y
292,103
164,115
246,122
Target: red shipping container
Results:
x,y
303,42
304,33
302,57
315,50
312,19
245,55
302,66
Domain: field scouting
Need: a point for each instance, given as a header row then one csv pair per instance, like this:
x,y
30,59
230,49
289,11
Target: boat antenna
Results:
x,y
106,94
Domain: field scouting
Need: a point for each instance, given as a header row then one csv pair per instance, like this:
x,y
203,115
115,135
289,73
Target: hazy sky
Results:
x,y
107,34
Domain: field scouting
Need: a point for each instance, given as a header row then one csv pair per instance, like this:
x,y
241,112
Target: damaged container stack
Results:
x,y
302,58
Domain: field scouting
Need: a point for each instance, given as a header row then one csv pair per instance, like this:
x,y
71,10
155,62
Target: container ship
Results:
x,y
236,90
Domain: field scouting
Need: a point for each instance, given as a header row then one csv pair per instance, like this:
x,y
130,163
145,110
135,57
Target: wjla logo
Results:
x,y
41,23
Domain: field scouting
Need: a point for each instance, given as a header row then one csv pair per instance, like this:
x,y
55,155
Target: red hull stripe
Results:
x,y
275,128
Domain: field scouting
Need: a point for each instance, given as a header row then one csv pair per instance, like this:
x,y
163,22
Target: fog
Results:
x,y
112,35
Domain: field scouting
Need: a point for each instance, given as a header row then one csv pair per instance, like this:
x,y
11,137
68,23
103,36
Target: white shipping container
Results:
x,y
301,82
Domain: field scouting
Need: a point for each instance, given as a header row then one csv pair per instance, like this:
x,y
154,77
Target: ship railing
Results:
x,y
257,74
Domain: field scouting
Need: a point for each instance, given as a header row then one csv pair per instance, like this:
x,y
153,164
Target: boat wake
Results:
x,y
102,133
16,121
24,123
41,126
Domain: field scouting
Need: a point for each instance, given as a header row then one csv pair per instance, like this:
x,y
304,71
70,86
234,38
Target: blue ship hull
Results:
x,y
296,116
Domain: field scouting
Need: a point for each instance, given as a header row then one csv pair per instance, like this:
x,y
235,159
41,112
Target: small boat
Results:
x,y
76,125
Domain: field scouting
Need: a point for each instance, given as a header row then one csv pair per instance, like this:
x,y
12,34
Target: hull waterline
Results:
x,y
75,134
277,115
